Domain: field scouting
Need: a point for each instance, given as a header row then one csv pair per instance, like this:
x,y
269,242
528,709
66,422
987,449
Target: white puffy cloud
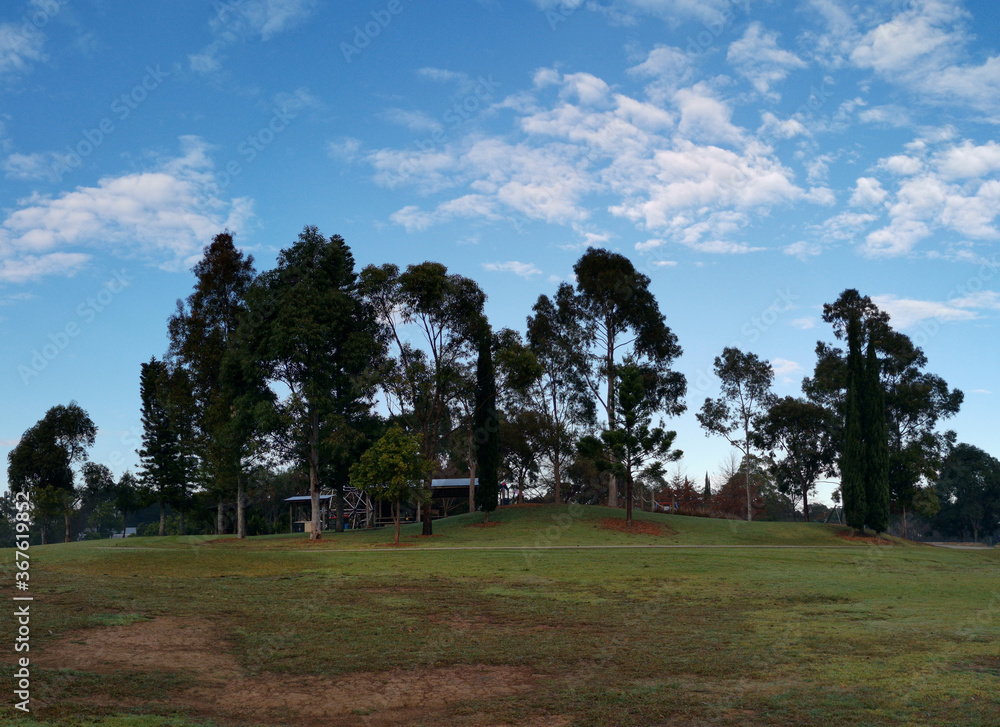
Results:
x,y
868,192
704,117
525,270
413,120
19,50
803,249
784,368
238,21
626,11
969,160
781,128
680,169
923,48
36,166
668,69
902,165
907,313
757,57
164,215
32,267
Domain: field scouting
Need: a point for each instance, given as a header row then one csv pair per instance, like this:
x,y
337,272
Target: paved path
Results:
x,y
390,549
960,546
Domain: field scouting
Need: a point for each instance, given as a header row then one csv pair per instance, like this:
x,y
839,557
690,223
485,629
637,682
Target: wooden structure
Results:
x,y
448,496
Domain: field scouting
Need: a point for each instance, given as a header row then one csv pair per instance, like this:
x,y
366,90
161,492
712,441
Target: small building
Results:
x,y
449,496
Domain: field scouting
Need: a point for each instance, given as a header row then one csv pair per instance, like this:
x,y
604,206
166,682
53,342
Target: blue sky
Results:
x,y
753,158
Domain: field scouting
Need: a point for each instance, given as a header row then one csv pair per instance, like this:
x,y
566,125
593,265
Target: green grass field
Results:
x,y
517,624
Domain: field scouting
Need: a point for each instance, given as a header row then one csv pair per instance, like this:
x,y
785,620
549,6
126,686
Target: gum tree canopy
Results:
x,y
620,317
423,384
41,463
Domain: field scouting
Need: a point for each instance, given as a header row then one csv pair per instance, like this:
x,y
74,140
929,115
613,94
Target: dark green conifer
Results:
x,y
486,427
852,463
876,439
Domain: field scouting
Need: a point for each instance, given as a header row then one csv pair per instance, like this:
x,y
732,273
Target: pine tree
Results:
x,y
707,495
158,457
876,438
852,464
486,427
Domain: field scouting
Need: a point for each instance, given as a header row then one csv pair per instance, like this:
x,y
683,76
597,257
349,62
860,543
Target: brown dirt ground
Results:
x,y
639,527
227,694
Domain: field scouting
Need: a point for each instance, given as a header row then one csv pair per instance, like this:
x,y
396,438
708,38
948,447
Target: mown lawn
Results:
x,y
846,635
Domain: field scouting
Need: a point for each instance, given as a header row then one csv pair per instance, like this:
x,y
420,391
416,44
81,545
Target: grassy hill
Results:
x,y
540,526
277,631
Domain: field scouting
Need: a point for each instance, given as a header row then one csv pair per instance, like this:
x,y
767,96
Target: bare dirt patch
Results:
x,y
382,697
163,644
638,527
225,692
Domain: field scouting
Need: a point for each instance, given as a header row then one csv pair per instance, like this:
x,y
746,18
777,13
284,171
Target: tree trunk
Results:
x,y
220,521
805,502
746,467
45,531
902,522
241,513
163,518
396,522
610,365
124,524
314,533
428,527
66,516
180,516
520,491
555,473
339,526
628,501
472,487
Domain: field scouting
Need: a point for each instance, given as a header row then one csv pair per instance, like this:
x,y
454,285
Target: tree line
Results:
x,y
381,378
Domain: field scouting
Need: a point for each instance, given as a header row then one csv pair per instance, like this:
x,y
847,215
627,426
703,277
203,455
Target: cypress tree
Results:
x,y
852,463
486,427
876,436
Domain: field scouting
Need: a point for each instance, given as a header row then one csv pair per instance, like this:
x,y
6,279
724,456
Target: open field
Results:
x,y
275,631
